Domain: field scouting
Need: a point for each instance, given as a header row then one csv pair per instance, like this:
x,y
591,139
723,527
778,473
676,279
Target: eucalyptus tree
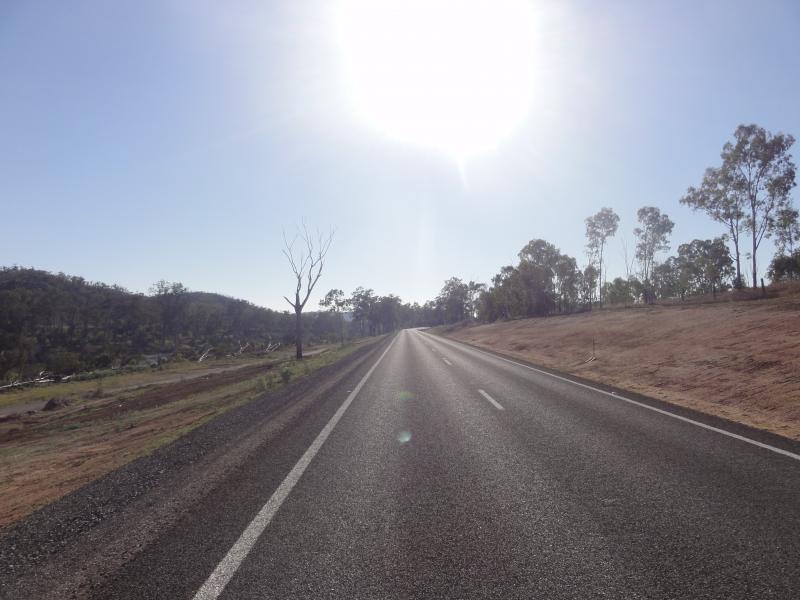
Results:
x,y
652,237
361,303
336,302
749,189
724,204
599,228
787,229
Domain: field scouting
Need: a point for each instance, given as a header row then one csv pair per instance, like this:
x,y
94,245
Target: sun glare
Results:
x,y
448,74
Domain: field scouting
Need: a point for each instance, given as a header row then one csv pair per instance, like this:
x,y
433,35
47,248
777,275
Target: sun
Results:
x,y
453,75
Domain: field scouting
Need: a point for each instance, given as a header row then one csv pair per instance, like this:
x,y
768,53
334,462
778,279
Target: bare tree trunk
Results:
x,y
600,278
755,281
298,333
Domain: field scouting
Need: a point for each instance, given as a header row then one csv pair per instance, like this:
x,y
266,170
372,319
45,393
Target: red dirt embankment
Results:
x,y
736,359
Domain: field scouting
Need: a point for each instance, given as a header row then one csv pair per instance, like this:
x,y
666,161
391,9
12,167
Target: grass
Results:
x,y
49,454
737,358
168,371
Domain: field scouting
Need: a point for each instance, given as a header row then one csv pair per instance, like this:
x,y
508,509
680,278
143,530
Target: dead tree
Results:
x,y
306,265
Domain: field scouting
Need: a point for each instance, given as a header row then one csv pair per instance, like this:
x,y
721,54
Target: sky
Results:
x,y
145,140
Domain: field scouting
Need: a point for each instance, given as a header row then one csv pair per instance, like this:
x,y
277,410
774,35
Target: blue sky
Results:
x,y
176,139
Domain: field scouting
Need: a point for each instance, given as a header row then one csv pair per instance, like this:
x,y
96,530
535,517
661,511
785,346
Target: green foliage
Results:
x,y
65,324
599,228
785,267
619,291
286,374
652,237
750,191
545,281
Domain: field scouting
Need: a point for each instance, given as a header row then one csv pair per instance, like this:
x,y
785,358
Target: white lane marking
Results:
x,y
491,400
736,436
227,567
447,362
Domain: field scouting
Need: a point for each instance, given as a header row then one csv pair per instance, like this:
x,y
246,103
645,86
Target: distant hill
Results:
x,y
64,324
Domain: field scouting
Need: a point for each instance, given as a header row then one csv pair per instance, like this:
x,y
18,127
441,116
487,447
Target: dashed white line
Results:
x,y
447,362
491,400
227,567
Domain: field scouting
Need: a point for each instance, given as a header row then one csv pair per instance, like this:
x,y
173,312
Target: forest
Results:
x,y
64,324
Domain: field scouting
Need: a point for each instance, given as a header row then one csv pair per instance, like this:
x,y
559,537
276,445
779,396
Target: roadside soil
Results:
x,y
107,423
736,359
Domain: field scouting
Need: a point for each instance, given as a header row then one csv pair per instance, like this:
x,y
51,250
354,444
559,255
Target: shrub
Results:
x,y
286,374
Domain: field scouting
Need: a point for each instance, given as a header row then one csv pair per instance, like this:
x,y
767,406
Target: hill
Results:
x,y
738,359
65,324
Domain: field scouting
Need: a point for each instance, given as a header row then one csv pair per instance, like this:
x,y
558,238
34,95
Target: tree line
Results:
x,y
65,324
748,194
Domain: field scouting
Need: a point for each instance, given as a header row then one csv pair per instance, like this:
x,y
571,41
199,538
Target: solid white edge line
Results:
x,y
641,404
493,402
227,567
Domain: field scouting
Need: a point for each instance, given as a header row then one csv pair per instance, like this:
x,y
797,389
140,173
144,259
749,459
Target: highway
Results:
x,y
441,471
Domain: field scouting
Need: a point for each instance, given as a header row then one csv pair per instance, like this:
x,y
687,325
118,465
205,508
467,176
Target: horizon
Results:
x,y
177,141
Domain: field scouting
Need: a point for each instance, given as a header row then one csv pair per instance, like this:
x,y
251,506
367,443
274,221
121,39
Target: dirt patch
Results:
x,y
738,359
97,428
165,394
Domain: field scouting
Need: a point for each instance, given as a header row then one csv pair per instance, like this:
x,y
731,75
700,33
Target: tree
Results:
x,y
453,300
336,303
717,197
785,267
387,313
619,292
707,265
750,188
599,228
761,169
306,266
474,292
652,237
787,229
170,298
361,302
589,279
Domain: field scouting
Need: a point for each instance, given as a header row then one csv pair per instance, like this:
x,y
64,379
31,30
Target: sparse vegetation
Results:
x,y
45,455
736,357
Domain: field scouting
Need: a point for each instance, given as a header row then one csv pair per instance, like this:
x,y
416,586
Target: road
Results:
x,y
447,472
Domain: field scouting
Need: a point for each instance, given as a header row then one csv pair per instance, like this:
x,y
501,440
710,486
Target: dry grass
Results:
x,y
738,359
48,454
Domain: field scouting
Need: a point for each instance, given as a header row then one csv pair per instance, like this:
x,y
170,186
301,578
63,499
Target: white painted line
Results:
x,y
641,404
447,362
491,400
227,567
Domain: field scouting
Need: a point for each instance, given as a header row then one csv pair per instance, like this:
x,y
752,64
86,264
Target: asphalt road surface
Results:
x,y
445,472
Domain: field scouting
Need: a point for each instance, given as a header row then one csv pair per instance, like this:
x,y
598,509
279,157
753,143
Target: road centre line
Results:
x,y
736,436
491,400
225,570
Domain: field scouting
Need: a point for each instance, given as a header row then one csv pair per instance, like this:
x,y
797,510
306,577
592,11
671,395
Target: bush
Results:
x,y
286,374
